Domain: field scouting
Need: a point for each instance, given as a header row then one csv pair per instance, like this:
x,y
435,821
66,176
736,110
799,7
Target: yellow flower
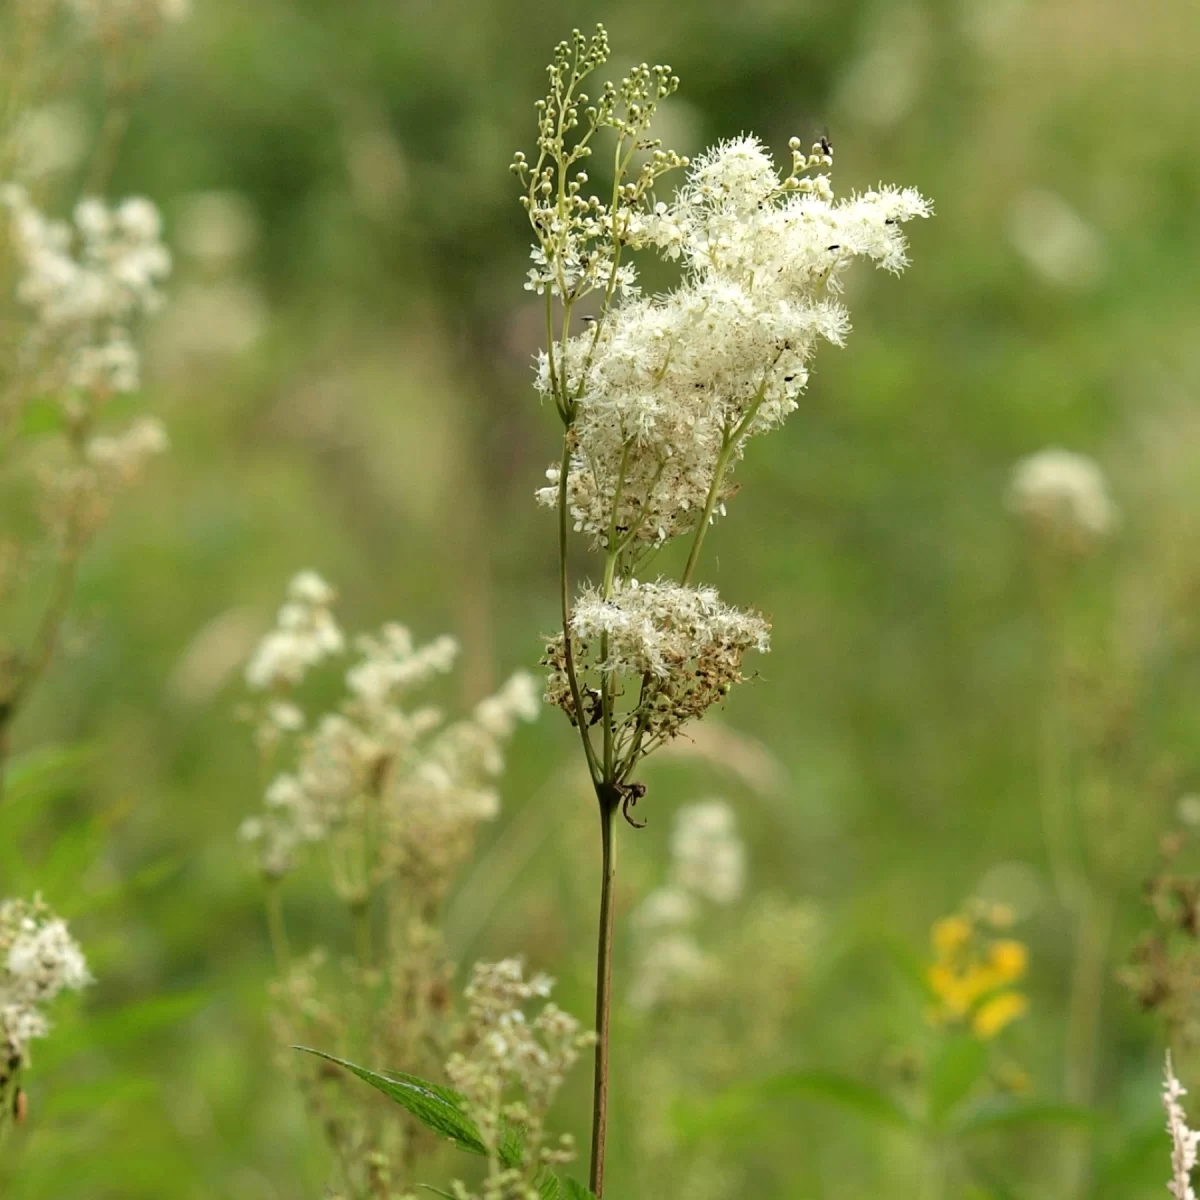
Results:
x,y
950,935
1008,959
998,1013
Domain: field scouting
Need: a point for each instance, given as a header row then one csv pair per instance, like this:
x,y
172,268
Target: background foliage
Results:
x,y
345,371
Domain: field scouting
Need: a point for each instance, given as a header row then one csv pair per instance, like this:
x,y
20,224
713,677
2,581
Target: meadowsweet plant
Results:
x,y
659,395
38,960
73,290
391,793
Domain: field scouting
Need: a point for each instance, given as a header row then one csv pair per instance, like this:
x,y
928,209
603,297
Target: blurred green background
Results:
x,y
345,372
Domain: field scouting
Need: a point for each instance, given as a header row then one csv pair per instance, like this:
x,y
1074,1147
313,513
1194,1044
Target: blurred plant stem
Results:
x,y
933,1172
276,927
1082,894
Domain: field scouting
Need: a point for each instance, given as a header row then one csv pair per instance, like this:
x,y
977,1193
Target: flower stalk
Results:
x,y
658,397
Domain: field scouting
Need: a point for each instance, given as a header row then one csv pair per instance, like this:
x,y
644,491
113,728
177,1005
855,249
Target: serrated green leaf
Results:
x,y
434,1106
550,1187
512,1146
573,1190
1011,1112
957,1067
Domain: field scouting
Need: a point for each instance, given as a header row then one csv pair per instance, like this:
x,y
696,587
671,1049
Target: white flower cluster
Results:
x,y
510,1067
121,457
708,864
709,859
305,633
85,284
1183,1140
38,959
655,628
681,644
423,784
1064,497
669,387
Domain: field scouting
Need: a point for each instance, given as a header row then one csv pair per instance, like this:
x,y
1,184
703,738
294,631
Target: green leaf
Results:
x,y
550,1187
512,1145
955,1070
437,1107
1010,1112
576,1191
436,1191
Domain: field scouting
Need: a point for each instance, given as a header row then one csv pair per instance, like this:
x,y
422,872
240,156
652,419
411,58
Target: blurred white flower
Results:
x,y
305,633
1055,240
709,857
1183,1139
85,286
38,960
1062,495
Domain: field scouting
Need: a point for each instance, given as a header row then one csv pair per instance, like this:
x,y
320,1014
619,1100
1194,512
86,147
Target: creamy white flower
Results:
x,y
668,965
427,783
85,285
655,628
1183,1140
38,960
1064,495
391,664
670,385
305,634
123,456
709,857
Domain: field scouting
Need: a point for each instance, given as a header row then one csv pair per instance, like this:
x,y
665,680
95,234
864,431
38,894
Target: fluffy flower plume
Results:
x,y
1064,497
510,1067
85,283
422,783
660,393
680,646
1183,1139
305,633
670,387
38,960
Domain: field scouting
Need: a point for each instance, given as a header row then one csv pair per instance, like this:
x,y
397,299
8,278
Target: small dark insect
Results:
x,y
826,145
589,320
835,246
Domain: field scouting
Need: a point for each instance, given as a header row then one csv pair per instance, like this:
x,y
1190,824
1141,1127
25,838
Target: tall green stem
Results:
x,y
710,505
565,597
608,810
276,927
